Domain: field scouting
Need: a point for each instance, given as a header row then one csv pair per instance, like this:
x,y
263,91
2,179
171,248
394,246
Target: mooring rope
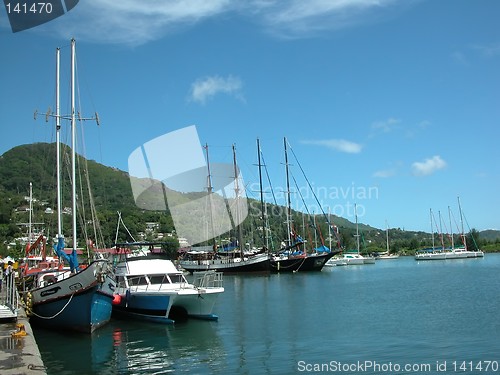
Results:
x,y
31,312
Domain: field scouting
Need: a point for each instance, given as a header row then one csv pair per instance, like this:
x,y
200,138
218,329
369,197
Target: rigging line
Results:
x,y
446,231
312,221
268,178
470,231
264,164
298,190
126,228
99,237
456,223
305,206
81,207
118,226
314,194
318,228
307,233
51,220
86,85
438,230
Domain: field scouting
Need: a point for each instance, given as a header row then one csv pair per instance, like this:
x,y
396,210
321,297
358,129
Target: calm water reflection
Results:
x,y
396,311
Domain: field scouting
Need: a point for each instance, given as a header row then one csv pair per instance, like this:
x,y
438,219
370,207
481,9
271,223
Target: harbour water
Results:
x,y
397,316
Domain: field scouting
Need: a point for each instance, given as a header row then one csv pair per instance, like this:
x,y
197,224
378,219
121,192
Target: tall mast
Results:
x,y
73,144
441,230
237,200
262,207
357,227
451,229
432,229
462,223
58,144
209,191
288,201
30,235
329,230
304,231
315,232
387,235
266,227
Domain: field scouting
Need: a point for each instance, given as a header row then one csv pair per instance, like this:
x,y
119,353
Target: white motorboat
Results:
x,y
154,289
336,261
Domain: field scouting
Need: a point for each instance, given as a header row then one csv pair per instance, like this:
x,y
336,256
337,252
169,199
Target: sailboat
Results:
x,y
432,253
36,259
78,298
460,252
338,259
214,258
354,257
464,250
293,256
387,254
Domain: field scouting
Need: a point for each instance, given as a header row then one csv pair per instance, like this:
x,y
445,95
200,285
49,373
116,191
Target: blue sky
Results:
x,y
390,105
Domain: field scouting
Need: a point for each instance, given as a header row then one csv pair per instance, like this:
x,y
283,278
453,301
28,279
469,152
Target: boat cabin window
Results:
x,y
158,279
177,278
137,280
120,281
49,279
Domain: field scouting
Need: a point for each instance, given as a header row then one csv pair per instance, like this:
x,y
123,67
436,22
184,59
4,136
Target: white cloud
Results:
x,y
428,166
205,88
413,131
337,144
384,173
387,125
488,50
299,18
135,22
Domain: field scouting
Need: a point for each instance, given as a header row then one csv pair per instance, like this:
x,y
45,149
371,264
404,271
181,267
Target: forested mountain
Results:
x,y
111,192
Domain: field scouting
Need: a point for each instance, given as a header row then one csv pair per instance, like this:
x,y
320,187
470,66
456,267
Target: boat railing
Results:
x,y
208,279
9,297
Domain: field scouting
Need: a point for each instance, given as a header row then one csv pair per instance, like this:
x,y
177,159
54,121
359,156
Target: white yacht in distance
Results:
x,y
352,257
387,254
452,252
336,261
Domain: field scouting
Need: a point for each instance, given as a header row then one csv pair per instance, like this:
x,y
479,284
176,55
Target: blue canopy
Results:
x,y
322,249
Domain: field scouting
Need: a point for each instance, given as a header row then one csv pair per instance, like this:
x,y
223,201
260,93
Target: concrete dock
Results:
x,y
19,355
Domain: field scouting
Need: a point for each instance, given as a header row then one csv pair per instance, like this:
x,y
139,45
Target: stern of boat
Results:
x,y
199,300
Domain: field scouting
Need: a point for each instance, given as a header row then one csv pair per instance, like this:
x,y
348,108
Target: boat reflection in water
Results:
x,y
88,353
127,347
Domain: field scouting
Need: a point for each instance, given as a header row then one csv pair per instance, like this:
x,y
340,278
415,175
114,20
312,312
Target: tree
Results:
x,y
170,245
413,245
472,239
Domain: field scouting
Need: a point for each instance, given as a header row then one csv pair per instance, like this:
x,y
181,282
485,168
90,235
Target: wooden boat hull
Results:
x,y
255,264
305,264
80,302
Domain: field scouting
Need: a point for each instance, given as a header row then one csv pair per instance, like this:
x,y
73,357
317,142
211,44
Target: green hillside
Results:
x,y
112,192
